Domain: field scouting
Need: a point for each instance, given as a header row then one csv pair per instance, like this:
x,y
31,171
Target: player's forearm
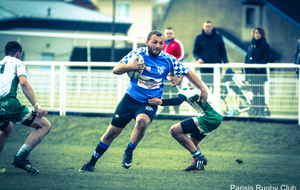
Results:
x,y
121,68
195,80
28,92
173,101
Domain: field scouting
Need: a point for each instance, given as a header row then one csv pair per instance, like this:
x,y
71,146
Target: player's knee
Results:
x,y
48,126
8,129
142,124
45,125
173,131
111,133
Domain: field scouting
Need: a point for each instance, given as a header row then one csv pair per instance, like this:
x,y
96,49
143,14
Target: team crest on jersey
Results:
x,y
161,69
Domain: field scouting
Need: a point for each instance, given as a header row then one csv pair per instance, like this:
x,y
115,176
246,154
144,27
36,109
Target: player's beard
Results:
x,y
152,53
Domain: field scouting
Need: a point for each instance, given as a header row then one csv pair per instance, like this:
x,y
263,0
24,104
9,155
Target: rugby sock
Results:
x,y
99,151
130,147
196,154
24,152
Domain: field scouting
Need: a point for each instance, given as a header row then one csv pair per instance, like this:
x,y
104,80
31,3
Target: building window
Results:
x,y
123,9
47,56
249,16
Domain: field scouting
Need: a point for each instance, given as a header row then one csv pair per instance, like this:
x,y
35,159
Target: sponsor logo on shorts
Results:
x,y
149,108
2,111
4,104
117,116
30,118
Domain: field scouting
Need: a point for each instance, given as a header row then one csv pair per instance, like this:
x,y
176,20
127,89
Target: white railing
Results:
x,y
62,89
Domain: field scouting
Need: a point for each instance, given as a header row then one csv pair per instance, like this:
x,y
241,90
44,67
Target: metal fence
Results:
x,y
93,88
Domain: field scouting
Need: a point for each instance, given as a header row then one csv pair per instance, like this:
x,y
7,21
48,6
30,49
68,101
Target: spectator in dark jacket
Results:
x,y
259,52
297,57
209,48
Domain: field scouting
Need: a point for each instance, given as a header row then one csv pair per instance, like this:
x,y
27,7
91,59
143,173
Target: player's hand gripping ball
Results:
x,y
135,74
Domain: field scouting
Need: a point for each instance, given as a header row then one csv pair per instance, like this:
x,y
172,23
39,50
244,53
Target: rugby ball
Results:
x,y
135,74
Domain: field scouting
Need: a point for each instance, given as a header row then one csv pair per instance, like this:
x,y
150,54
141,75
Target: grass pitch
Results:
x,y
270,153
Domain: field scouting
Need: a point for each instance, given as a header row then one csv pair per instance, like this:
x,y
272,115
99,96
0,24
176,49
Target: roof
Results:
x,y
85,3
288,7
54,14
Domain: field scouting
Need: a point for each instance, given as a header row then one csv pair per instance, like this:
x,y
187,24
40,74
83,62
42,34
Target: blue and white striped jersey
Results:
x,y
150,82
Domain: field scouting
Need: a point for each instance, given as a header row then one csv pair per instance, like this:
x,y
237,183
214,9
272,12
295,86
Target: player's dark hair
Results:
x,y
261,31
155,32
12,47
170,28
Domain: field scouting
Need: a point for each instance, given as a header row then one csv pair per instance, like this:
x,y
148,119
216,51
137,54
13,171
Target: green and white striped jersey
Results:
x,y
10,70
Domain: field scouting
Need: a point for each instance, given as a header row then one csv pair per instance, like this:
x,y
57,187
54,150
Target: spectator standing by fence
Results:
x,y
259,52
209,47
173,47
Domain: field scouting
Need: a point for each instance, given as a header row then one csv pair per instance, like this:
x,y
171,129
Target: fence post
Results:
x,y
267,88
217,82
52,89
62,99
61,89
65,90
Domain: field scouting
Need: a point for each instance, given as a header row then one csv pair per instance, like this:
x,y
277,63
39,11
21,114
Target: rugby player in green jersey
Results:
x,y
209,118
12,73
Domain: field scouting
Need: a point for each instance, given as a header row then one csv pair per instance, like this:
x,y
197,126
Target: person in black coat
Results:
x,y
259,52
209,48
